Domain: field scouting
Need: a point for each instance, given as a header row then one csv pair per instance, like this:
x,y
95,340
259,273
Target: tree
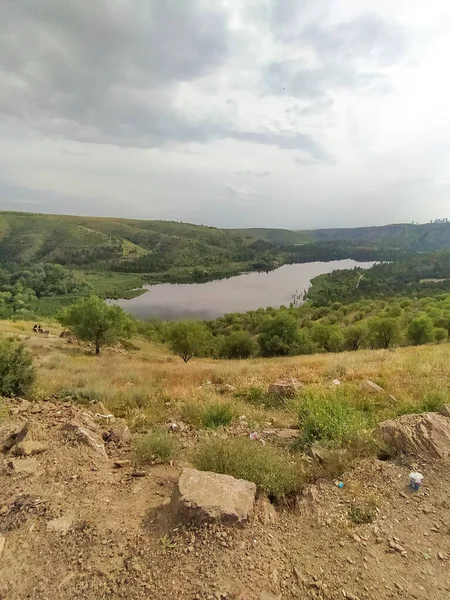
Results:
x,y
239,344
16,368
421,331
383,332
440,334
93,320
327,337
279,336
190,338
354,336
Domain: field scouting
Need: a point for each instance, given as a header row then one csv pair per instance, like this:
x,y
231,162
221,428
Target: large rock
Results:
x,y
372,388
285,388
9,438
445,410
201,496
86,432
427,434
29,447
119,433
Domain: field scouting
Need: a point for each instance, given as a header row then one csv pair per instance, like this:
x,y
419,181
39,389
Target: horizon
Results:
x,y
96,216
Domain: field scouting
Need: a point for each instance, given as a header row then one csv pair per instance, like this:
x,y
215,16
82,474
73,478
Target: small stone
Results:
x,y
61,524
397,548
24,465
139,474
25,405
356,538
2,544
441,555
298,576
369,386
121,464
3,510
398,586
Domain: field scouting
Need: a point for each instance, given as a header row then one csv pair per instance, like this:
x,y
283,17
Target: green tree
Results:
x,y
420,330
279,336
190,338
384,332
16,368
328,337
93,320
239,344
354,336
440,334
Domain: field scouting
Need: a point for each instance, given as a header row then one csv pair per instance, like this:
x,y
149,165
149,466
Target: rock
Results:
x,y
269,511
268,596
25,405
37,408
282,434
9,438
61,524
285,388
298,576
371,387
2,544
99,409
29,448
85,432
117,434
311,493
201,496
445,410
24,465
226,388
425,434
4,510
121,464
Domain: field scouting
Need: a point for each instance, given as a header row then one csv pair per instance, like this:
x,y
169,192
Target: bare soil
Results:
x,y
78,528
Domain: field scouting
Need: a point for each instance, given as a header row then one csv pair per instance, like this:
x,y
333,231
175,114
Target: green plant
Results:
x,y
167,543
190,338
329,415
440,334
158,444
258,397
420,330
239,344
209,414
3,411
363,513
93,320
276,473
16,368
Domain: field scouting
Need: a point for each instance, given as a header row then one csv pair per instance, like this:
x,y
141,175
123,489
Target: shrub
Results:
x,y
421,331
190,338
279,336
16,368
329,416
158,444
440,334
361,514
273,470
259,397
210,414
239,344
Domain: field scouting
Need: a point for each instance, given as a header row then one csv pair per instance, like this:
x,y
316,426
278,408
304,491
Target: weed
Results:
x,y
209,414
361,514
3,411
16,367
82,396
331,416
274,471
158,444
167,543
259,397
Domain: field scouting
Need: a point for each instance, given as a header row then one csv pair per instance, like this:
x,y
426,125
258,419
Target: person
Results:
x,y
35,328
40,329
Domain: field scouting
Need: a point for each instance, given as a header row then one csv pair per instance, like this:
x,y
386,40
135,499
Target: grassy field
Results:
x,y
149,382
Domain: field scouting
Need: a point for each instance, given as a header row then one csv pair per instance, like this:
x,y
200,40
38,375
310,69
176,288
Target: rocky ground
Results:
x,y
79,521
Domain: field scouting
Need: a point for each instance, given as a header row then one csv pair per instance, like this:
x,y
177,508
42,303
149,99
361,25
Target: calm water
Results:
x,y
236,294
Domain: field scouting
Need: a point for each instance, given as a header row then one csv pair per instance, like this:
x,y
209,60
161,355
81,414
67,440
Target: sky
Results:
x,y
299,114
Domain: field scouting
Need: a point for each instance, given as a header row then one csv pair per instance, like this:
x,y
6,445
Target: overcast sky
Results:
x,y
234,113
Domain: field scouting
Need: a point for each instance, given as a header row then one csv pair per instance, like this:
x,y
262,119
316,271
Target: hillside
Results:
x,y
91,522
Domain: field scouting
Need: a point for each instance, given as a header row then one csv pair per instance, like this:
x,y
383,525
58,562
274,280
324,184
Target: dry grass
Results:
x,y
151,384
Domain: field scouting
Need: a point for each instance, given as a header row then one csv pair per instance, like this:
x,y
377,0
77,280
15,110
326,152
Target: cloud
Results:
x,y
265,173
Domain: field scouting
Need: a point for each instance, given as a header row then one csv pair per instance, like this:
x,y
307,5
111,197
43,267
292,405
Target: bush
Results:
x,y
158,444
279,336
329,416
190,338
239,344
440,334
421,331
16,368
210,415
259,397
273,470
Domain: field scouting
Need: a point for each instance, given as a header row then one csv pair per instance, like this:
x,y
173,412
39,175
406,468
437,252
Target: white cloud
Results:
x,y
285,113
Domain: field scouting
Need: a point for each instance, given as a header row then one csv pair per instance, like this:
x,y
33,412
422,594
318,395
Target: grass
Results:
x,y
210,414
362,513
158,444
330,416
275,472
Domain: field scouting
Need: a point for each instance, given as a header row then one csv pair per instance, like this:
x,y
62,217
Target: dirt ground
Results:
x,y
76,527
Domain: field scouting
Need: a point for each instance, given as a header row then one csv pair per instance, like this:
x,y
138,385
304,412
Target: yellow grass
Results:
x,y
151,384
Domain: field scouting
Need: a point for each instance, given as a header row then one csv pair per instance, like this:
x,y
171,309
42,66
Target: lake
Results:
x,y
241,293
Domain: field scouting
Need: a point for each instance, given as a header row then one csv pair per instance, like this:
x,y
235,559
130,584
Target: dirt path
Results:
x,y
77,528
